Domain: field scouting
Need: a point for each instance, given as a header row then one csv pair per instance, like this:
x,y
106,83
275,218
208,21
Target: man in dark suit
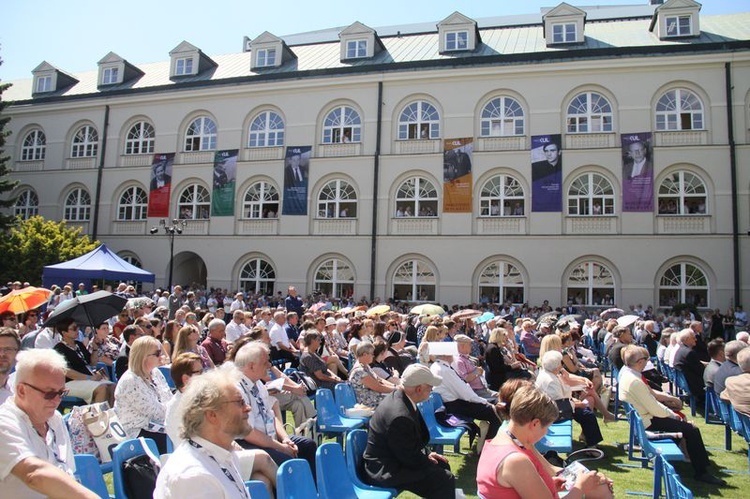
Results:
x,y
686,360
295,173
129,334
639,164
396,454
551,164
160,178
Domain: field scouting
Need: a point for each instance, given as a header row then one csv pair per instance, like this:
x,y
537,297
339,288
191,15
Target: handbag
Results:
x,y
80,437
565,408
105,428
303,379
140,472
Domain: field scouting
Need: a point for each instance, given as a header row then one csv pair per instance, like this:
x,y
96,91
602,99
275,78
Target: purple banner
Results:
x,y
546,173
296,172
637,172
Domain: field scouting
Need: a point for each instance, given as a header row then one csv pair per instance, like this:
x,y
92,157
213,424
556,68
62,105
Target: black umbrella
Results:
x,y
88,310
548,317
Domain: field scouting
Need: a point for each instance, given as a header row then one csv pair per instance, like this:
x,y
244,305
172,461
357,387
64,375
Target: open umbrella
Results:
x,y
484,317
612,313
627,320
314,308
19,301
550,317
467,313
88,310
378,310
139,302
428,309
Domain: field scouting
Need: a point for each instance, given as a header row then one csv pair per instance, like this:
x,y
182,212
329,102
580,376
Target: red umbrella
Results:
x,y
316,307
467,313
19,301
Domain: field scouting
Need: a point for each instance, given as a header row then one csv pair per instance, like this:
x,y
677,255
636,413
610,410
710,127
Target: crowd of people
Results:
x,y
506,378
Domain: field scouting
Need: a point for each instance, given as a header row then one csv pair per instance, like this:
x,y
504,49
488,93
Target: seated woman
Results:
x,y
574,366
549,381
433,333
187,341
397,357
510,466
368,386
103,346
378,366
80,377
501,364
313,365
142,393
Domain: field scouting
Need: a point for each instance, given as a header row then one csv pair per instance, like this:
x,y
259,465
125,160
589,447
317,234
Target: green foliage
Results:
x,y
6,184
31,244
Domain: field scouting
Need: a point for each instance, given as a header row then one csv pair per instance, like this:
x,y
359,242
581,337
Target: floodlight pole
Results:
x,y
171,231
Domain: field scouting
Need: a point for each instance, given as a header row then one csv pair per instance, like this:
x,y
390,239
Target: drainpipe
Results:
x,y
733,171
100,174
375,183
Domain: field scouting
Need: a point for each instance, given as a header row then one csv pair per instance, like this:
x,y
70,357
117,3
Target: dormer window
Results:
x,y
679,25
183,66
43,84
356,49
110,76
265,58
564,33
456,40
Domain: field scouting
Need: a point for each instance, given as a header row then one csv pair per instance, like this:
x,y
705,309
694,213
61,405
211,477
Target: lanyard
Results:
x,y
227,473
514,439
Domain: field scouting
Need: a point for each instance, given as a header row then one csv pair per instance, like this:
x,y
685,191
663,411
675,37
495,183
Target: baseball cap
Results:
x,y
418,374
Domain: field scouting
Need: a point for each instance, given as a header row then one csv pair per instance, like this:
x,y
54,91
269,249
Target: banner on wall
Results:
x,y
161,185
457,179
296,176
546,173
637,172
225,179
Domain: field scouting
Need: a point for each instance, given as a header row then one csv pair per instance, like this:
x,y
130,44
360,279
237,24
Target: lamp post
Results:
x,y
170,230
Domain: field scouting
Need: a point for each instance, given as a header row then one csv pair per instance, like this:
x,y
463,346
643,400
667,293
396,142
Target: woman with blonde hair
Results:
x,y
431,334
501,362
187,341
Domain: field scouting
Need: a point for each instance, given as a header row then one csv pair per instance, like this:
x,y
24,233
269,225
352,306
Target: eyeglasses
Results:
x,y
48,395
196,373
156,354
240,402
8,350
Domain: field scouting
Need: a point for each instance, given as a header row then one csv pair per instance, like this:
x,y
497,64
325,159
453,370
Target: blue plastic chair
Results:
x,y
684,389
649,448
559,438
329,461
166,371
673,487
90,475
124,451
257,489
745,422
356,442
330,421
440,435
347,399
294,480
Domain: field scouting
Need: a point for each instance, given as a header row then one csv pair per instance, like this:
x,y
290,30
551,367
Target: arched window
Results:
x,y
334,278
419,120
414,280
416,197
133,204
589,112
140,139
683,283
679,109
194,203
591,194
502,117
27,204
591,283
342,125
501,282
266,130
257,276
682,193
85,142
78,206
261,201
501,196
34,147
337,199
200,135
132,260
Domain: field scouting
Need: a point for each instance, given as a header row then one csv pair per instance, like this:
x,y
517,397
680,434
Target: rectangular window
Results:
x,y
183,66
266,58
110,76
43,84
564,33
457,40
679,25
356,49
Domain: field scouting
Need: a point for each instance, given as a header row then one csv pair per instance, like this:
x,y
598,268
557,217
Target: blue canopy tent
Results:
x,y
99,264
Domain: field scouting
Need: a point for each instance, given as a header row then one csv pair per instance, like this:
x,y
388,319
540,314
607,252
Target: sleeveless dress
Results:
x,y
492,456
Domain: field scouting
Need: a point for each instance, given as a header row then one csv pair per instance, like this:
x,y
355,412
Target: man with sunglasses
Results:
x,y
36,456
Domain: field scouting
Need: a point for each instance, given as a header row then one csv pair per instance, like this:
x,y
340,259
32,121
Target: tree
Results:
x,y
6,184
31,244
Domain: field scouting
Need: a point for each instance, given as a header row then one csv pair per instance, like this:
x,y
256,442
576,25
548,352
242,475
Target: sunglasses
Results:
x,y
156,354
48,395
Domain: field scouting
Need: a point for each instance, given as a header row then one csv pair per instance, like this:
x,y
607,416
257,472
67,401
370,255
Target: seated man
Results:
x,y
36,456
658,417
468,370
730,367
207,462
716,352
688,361
215,344
396,454
737,389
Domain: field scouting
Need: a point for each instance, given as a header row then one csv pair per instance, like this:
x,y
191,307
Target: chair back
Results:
x,y
257,489
329,461
328,413
166,371
428,414
345,397
121,453
673,487
356,443
90,475
294,480
436,399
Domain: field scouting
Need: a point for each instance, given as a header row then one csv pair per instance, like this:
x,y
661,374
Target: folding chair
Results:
x,y
329,461
294,480
439,435
257,489
330,421
356,442
347,399
90,475
124,451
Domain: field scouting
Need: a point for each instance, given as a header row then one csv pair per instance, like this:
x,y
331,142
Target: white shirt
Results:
x,y
47,338
234,331
139,404
453,387
20,441
237,305
261,418
173,419
7,390
193,472
278,335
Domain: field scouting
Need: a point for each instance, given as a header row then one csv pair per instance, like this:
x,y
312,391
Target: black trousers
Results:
x,y
693,440
474,410
590,426
306,448
438,484
277,354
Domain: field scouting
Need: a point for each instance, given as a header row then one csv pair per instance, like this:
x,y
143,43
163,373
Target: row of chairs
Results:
x,y
720,411
665,474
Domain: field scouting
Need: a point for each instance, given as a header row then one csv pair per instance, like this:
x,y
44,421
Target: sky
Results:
x,y
74,35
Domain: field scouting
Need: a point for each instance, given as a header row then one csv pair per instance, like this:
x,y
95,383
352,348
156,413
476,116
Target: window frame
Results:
x,y
77,205
268,135
338,122
497,112
499,197
502,282
132,206
183,66
456,40
34,146
43,84
419,120
266,57
339,189
30,206
85,143
581,203
418,280
586,270
686,282
140,139
416,190
333,280
677,20
206,137
356,49
597,117
686,199
261,275
561,32
198,200
110,75
266,195
673,116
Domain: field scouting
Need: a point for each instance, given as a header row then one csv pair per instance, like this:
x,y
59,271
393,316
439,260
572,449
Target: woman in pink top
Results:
x,y
510,467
